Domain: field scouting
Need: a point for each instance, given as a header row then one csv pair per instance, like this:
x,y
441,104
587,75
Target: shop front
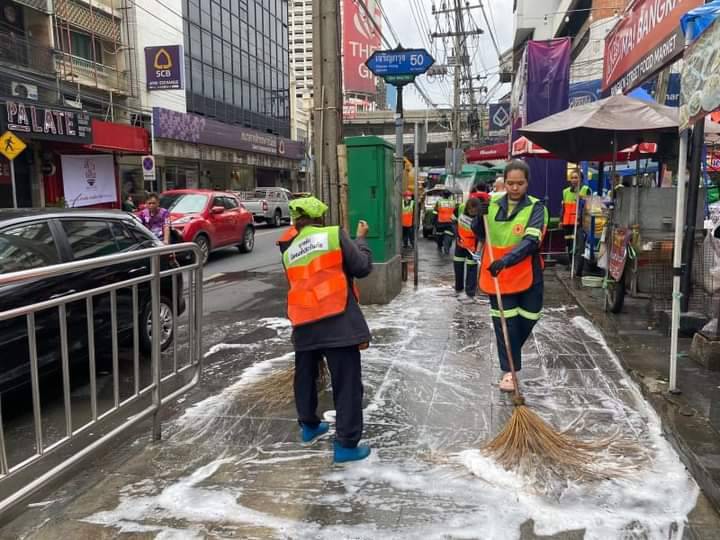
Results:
x,y
70,160
195,152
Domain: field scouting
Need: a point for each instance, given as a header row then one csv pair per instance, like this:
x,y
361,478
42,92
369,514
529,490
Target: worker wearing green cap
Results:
x,y
321,264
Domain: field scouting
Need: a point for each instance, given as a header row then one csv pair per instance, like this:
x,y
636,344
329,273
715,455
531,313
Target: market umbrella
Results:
x,y
492,152
583,133
524,147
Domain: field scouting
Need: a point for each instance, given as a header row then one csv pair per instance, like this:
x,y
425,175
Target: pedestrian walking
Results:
x,y
408,220
517,224
443,217
321,264
128,204
464,263
156,218
569,212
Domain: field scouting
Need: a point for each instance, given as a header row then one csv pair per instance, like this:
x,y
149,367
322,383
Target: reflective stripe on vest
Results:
x,y
569,202
408,214
466,236
504,236
314,267
446,211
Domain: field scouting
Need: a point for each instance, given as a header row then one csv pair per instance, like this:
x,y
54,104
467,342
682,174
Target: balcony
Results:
x,y
18,51
88,73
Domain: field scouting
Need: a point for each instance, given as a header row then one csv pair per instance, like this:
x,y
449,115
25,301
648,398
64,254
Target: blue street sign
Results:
x,y
400,62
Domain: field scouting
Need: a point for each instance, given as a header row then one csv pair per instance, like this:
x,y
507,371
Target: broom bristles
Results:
x,y
528,439
277,389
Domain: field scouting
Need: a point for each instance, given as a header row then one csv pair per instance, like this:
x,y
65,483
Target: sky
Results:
x,y
406,16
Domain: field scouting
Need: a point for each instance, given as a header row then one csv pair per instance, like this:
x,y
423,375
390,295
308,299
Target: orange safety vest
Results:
x,y
314,267
287,236
445,211
408,213
465,236
504,236
569,203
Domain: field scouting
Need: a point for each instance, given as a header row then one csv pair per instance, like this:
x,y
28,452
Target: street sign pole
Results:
x,y
416,206
400,67
399,163
12,182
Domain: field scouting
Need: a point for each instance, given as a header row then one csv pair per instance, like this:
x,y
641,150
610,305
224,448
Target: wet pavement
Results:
x,y
231,468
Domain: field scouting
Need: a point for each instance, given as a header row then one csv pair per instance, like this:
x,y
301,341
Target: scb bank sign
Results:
x,y
164,67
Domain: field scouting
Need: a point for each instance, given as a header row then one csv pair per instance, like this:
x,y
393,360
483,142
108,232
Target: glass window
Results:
x,y
89,238
123,237
184,203
230,203
27,246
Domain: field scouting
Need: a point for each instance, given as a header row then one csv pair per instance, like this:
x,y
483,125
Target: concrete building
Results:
x,y
587,22
66,81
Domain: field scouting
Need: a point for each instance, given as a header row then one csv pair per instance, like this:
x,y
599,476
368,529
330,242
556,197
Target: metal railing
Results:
x,y
77,69
19,51
78,443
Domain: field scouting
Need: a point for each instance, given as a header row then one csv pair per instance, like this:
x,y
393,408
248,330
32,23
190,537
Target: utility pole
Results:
x,y
459,58
327,117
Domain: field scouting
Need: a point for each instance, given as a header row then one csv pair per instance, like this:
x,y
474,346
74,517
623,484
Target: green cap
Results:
x,y
308,206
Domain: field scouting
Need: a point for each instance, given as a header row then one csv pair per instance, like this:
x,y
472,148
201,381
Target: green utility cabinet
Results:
x,y
373,195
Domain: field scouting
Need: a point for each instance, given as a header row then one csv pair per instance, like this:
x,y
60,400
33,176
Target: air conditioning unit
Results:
x,y
24,90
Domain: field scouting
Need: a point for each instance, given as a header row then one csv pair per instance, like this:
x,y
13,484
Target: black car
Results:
x,y
33,238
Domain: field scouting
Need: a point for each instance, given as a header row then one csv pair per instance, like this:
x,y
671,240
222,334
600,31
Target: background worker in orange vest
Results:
x,y
569,212
321,264
443,219
517,224
464,263
408,220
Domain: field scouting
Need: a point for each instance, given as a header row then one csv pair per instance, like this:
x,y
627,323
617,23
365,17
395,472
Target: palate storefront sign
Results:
x,y
33,121
646,39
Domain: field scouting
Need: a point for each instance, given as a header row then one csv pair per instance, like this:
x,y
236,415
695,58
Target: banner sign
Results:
x,y
584,92
360,39
548,86
32,121
498,119
88,179
164,67
700,90
196,129
647,37
618,253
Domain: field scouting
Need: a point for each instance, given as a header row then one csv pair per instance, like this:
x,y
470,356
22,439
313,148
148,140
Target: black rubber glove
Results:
x,y
496,267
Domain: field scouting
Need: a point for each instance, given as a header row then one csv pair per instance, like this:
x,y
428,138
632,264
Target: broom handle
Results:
x,y
503,321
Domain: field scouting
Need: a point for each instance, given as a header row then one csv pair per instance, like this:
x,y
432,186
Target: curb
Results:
x,y
673,420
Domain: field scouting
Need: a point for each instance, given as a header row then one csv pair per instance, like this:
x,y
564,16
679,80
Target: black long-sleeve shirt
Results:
x,y
534,229
349,328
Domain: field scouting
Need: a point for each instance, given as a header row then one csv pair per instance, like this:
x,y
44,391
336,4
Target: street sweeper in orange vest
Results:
x,y
321,264
517,223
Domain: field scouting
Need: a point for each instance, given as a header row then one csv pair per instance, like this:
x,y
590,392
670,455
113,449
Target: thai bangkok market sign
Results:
x,y
700,89
647,37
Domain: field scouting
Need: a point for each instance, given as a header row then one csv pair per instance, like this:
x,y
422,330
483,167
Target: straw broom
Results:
x,y
527,438
277,390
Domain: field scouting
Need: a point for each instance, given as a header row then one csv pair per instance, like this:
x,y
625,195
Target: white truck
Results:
x,y
267,205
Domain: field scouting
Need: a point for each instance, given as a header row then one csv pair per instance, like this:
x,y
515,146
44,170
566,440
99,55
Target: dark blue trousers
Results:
x,y
466,271
345,375
522,312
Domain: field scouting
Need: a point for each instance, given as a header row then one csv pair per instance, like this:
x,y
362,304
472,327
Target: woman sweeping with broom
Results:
x,y
511,228
321,264
516,224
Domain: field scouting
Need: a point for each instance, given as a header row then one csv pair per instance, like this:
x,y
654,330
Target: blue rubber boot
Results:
x,y
311,433
343,454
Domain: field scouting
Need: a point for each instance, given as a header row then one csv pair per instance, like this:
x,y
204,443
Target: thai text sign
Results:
x,y
618,253
646,38
197,129
361,38
164,67
499,119
700,89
